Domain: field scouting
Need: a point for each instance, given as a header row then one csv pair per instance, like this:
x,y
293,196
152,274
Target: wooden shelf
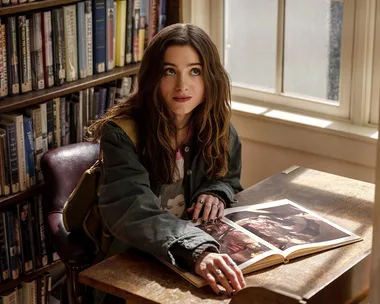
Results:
x,y
7,201
31,6
13,283
12,103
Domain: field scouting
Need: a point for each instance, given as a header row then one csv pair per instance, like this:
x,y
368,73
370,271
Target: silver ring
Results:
x,y
219,272
201,201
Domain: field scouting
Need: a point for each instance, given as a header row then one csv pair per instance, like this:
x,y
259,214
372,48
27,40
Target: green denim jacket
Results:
x,y
128,202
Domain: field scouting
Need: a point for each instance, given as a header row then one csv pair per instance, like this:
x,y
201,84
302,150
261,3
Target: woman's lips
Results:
x,y
182,99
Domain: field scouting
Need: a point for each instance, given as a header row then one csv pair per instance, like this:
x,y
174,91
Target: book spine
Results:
x,y
50,123
142,29
57,122
47,35
4,79
110,35
59,47
129,32
26,83
29,151
81,23
41,231
153,19
71,48
135,30
44,127
121,24
4,260
162,15
13,81
88,24
28,50
38,78
23,216
99,35
12,154
38,144
1,60
19,120
62,116
4,164
11,241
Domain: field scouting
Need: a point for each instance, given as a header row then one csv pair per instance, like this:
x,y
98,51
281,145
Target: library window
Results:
x,y
316,56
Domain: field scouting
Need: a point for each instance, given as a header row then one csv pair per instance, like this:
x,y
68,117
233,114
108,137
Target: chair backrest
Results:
x,y
62,168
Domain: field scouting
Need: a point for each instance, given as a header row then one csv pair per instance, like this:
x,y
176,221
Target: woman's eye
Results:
x,y
169,71
196,71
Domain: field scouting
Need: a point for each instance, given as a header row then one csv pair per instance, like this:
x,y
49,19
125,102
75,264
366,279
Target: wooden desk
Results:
x,y
336,276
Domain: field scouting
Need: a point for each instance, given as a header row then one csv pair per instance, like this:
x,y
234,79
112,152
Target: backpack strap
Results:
x,y
129,126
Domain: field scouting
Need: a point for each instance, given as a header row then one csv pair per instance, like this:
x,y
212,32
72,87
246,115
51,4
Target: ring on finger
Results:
x,y
201,201
219,272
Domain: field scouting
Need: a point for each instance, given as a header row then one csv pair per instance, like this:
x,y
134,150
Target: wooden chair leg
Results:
x,y
77,293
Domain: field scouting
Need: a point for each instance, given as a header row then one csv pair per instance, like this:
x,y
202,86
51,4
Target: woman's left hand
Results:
x,y
212,206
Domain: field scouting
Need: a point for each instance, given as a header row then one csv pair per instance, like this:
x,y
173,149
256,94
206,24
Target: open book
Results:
x,y
263,235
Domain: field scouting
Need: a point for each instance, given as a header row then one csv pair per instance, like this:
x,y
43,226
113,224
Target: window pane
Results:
x,y
250,42
312,50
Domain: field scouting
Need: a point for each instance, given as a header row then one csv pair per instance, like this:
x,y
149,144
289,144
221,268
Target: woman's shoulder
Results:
x,y
123,126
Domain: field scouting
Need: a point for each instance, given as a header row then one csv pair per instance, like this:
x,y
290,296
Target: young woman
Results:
x,y
180,159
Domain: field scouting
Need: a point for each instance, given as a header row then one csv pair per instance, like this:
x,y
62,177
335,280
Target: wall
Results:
x,y
261,158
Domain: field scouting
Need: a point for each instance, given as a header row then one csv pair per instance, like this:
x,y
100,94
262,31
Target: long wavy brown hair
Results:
x,y
156,129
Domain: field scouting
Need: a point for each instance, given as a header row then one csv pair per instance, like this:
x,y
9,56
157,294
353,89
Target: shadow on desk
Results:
x,y
336,276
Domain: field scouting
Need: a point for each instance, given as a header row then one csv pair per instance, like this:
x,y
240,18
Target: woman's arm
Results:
x,y
131,210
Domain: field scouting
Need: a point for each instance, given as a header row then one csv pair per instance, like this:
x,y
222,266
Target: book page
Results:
x,y
289,227
244,249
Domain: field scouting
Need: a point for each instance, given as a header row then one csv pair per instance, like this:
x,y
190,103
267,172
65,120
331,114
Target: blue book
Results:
x,y
29,152
99,35
12,238
162,15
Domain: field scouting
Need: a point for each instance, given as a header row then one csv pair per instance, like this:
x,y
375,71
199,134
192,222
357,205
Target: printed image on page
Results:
x,y
285,226
239,246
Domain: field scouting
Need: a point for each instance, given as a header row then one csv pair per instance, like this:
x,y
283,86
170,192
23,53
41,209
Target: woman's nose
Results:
x,y
181,84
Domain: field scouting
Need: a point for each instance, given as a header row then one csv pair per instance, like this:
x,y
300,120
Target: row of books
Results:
x,y
23,245
31,291
42,49
15,2
26,135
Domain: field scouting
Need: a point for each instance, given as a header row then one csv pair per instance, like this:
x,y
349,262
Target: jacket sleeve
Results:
x,y
226,187
131,210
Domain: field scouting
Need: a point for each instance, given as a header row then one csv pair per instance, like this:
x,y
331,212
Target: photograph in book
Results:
x,y
262,235
286,225
240,246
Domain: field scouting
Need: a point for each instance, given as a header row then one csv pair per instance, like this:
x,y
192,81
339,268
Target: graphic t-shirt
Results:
x,y
172,196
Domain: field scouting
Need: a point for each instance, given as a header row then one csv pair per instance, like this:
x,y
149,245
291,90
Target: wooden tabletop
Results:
x,y
335,276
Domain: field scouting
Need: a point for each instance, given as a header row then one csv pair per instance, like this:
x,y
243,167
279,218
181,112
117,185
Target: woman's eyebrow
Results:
x,y
190,64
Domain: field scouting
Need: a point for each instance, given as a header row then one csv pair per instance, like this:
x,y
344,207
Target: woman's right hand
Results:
x,y
220,268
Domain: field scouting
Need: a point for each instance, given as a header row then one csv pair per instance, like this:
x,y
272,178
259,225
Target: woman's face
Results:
x,y
182,85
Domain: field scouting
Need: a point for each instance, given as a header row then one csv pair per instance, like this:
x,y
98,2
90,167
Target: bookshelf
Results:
x,y
35,97
17,103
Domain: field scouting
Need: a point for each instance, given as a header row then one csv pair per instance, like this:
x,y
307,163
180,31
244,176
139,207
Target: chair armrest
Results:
x,y
72,247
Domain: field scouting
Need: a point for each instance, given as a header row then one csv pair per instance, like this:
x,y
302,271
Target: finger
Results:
x,y
230,274
191,209
221,210
198,206
236,269
207,208
211,281
223,280
215,208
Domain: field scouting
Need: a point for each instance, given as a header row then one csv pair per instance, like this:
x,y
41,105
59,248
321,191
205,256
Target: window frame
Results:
x,y
360,79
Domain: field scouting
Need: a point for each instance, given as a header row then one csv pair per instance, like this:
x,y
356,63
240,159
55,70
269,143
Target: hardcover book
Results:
x,y
263,235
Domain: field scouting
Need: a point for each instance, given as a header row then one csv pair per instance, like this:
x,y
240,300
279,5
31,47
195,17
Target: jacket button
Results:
x,y
187,149
188,172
